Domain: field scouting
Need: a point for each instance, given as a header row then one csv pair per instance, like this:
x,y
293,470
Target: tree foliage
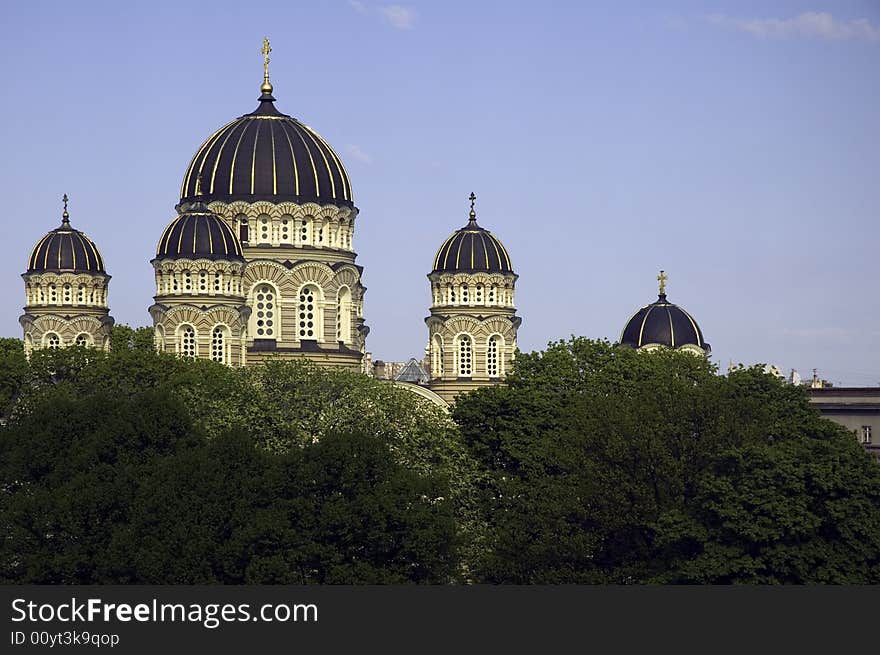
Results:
x,y
615,466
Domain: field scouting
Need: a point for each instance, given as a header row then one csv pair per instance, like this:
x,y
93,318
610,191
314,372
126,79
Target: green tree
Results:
x,y
125,337
612,465
13,373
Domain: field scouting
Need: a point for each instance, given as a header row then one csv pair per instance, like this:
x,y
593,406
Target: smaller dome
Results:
x,y
66,250
472,249
663,323
198,233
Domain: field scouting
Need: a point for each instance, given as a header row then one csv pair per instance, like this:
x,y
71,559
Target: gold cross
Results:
x,y
65,216
266,50
473,214
662,280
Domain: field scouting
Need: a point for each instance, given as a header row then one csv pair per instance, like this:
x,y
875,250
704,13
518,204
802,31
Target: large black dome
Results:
x,y
267,155
65,250
663,323
472,249
198,233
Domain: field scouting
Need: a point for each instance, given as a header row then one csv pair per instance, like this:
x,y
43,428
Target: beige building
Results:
x,y
65,292
473,323
855,408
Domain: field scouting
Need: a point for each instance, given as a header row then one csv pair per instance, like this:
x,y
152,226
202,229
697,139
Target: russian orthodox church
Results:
x,y
259,262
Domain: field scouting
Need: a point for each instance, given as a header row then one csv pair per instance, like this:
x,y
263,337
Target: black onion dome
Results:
x,y
65,250
199,233
665,324
267,155
472,249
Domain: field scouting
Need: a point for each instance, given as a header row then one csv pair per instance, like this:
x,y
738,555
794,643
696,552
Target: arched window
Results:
x,y
218,282
68,294
343,315
451,293
220,344
305,230
81,294
478,294
309,319
265,224
83,339
319,234
465,352
243,228
53,293
187,282
52,340
494,356
266,312
465,295
186,345
493,293
286,225
203,281
437,357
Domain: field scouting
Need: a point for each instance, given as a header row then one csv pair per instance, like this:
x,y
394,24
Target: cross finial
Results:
x,y
267,86
662,280
65,217
473,214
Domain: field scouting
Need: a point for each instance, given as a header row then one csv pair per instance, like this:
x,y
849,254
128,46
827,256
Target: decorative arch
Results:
x,y
221,337
436,356
495,355
187,340
464,355
309,315
52,340
265,301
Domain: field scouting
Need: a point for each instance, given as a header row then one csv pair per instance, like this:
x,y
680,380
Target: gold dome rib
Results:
x,y
274,168
343,174
35,253
180,237
497,252
644,320
254,157
85,241
694,325
223,236
458,252
164,237
217,160
292,159
205,146
671,327
485,251
234,155
443,251
312,160
196,234
210,240
326,163
72,251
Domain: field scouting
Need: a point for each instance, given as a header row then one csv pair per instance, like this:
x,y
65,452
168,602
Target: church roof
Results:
x,y
67,250
472,249
198,233
267,155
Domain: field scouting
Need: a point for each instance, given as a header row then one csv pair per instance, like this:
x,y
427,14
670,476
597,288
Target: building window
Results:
x,y
203,281
187,282
304,231
68,294
437,357
285,230
478,294
493,290
53,341
218,282
866,434
188,341
219,345
264,230
82,340
53,294
265,302
343,315
465,356
464,293
308,313
492,357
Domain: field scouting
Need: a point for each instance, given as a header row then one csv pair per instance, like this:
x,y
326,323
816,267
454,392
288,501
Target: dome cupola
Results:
x,y
267,155
66,250
472,249
663,323
198,233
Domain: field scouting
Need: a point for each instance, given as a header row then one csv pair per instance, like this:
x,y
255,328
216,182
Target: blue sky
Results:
x,y
734,144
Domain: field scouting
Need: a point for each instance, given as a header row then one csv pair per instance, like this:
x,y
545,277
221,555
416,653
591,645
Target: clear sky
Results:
x,y
734,144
